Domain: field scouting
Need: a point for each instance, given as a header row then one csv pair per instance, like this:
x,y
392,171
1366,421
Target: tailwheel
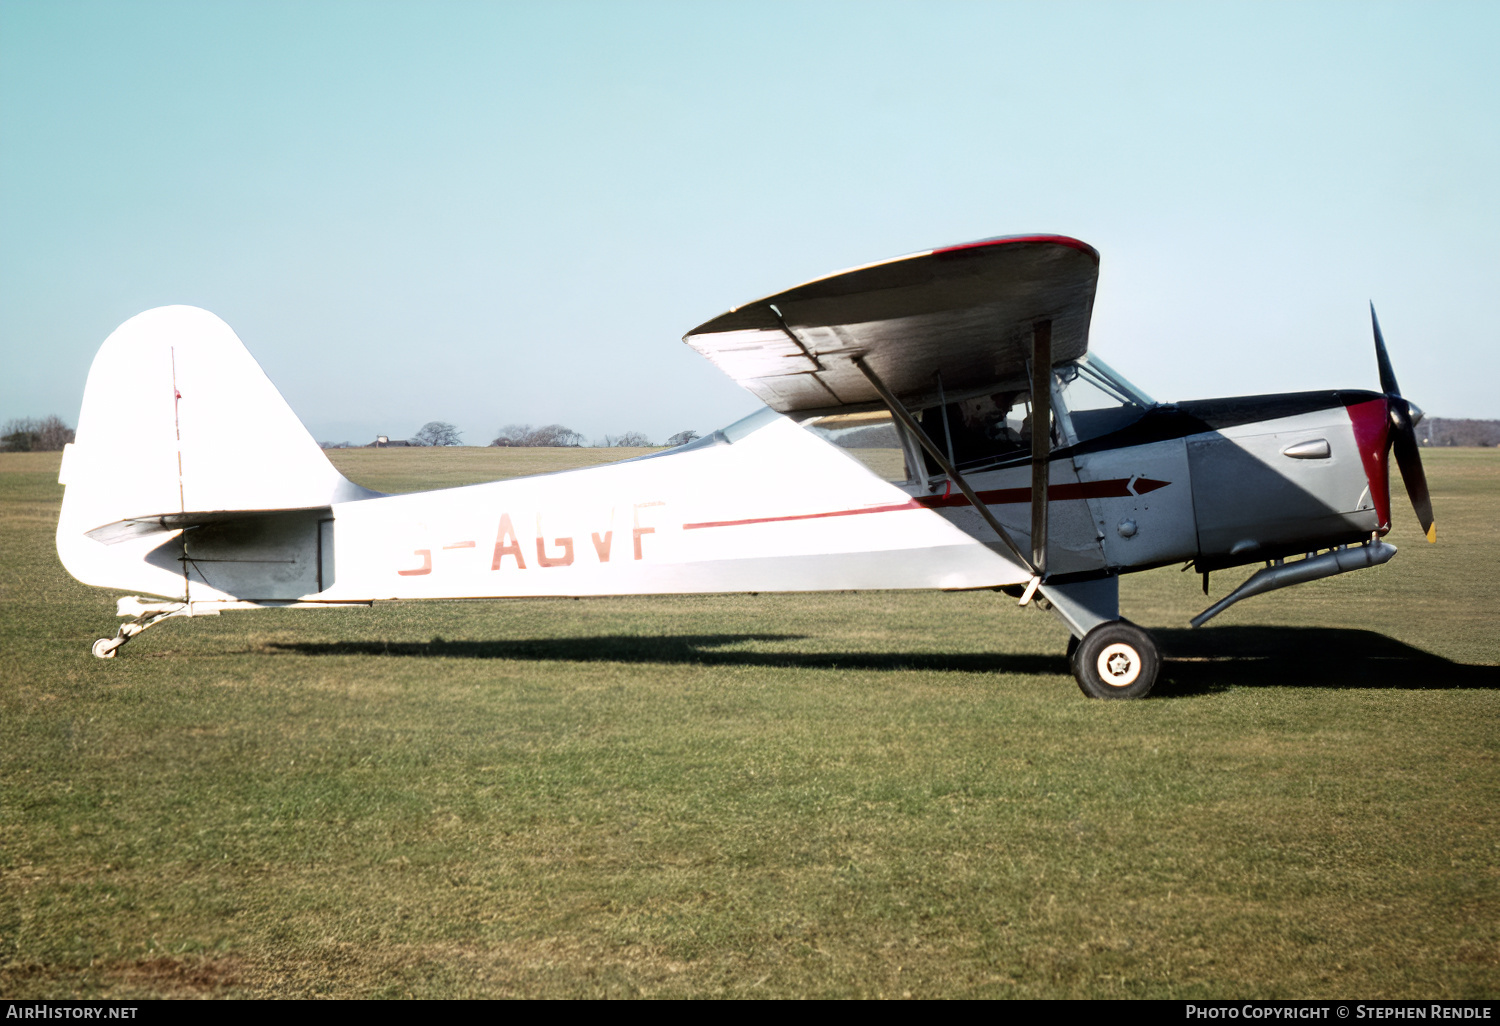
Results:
x,y
151,614
1116,660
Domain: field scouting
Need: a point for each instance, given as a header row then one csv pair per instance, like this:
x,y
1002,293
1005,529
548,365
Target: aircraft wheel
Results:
x,y
104,648
1116,660
1072,648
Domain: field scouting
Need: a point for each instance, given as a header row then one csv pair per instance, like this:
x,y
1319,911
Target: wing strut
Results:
x,y
812,357
900,413
1041,439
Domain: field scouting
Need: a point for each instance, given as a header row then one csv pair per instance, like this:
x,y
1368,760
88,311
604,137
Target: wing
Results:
x,y
966,311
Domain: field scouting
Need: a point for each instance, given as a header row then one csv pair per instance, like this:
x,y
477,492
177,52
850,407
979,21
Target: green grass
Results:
x,y
873,794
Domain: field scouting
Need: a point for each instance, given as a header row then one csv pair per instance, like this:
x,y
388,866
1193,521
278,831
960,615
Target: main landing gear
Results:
x,y
1110,657
1115,660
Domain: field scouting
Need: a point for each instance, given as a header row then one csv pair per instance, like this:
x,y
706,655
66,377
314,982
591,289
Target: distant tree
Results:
x,y
436,432
631,439
1444,431
16,437
556,434
682,438
549,434
33,434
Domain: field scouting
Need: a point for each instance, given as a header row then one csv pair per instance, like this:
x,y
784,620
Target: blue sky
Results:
x,y
489,213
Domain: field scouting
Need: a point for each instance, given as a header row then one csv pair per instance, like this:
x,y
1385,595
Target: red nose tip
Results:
x,y
1372,426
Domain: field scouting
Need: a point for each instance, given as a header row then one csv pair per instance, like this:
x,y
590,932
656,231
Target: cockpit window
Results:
x,y
980,428
870,437
982,431
1095,400
989,430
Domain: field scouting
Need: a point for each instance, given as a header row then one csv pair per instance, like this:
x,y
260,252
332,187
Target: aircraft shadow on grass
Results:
x,y
1194,662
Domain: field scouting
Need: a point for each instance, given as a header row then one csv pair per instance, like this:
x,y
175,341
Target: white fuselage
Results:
x,y
778,510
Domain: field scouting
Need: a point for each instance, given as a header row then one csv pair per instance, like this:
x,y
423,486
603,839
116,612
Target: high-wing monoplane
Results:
x,y
1027,466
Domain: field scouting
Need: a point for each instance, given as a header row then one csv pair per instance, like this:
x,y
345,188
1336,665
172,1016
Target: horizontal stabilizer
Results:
x,y
159,523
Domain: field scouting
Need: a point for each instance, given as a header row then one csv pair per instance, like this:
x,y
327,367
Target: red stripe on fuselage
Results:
x,y
1115,489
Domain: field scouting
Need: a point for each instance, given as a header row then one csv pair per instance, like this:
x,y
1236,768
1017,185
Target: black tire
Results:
x,y
1116,660
1072,649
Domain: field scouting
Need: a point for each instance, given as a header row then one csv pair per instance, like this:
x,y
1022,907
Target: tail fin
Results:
x,y
178,418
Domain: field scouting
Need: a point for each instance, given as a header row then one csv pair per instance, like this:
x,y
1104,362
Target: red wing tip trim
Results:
x,y
1059,240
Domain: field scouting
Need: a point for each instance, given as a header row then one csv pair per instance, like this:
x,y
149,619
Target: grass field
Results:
x,y
836,795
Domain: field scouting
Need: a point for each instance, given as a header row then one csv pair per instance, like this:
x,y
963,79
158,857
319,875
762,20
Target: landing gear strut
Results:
x,y
1110,657
1115,660
150,616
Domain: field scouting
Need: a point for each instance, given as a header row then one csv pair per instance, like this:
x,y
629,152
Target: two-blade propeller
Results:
x,y
1403,436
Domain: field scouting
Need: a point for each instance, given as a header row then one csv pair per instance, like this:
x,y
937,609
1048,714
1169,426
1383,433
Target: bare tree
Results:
x,y
549,434
683,438
556,434
630,439
512,434
35,434
437,432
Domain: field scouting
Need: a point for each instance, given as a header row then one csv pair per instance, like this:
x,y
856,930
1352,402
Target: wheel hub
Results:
x,y
1119,665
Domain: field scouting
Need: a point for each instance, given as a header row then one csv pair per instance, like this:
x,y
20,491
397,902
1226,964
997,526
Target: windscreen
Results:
x,y
1096,400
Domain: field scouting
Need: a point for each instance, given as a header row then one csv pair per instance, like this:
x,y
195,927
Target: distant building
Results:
x,y
384,442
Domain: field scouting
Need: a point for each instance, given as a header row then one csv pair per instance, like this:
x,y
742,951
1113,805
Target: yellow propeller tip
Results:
x,y
1432,532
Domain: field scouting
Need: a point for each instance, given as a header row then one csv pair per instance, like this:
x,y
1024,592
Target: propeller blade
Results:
x,y
1404,434
1409,459
1382,358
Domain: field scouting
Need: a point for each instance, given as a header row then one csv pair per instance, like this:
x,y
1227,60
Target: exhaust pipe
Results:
x,y
1284,575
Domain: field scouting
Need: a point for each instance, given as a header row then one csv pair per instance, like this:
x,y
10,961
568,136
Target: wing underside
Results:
x,y
963,315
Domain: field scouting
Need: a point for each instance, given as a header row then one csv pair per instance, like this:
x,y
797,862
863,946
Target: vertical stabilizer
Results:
x,y
177,417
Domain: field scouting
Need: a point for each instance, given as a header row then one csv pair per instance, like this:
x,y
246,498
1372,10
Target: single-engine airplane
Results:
x,y
1030,467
